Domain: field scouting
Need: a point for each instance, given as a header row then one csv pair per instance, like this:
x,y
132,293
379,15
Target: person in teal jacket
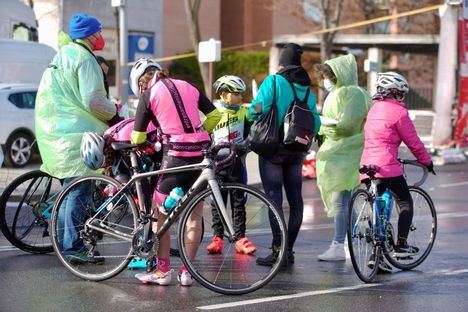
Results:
x,y
284,167
72,99
338,157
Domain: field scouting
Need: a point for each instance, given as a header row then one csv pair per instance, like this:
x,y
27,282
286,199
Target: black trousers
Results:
x,y
400,191
234,173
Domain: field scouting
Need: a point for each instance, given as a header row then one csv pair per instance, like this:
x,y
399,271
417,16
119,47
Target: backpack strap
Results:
x,y
306,97
179,104
274,90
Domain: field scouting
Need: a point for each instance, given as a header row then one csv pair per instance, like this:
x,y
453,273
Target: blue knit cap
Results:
x,y
83,25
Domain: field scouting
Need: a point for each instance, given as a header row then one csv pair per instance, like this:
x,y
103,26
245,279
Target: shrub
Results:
x,y
246,64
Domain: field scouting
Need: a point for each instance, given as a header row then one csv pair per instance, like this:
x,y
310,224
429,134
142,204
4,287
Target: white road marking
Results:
x,y
454,184
285,297
316,293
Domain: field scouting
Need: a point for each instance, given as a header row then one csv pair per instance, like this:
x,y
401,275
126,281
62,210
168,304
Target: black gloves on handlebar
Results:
x,y
430,168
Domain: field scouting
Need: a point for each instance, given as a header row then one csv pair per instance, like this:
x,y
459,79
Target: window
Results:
x,y
22,32
23,99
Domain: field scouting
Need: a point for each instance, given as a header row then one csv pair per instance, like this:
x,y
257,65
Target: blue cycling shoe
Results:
x,y
138,263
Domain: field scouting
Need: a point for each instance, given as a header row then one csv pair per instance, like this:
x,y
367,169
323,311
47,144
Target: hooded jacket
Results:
x,y
71,100
339,156
387,125
284,94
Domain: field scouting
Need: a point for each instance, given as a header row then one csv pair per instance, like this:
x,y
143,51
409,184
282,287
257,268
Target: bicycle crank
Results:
x,y
144,248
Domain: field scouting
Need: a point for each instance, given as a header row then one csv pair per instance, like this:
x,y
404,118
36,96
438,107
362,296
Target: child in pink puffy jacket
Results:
x,y
387,125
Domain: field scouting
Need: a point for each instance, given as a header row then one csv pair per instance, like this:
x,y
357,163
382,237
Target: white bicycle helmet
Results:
x,y
392,80
138,70
229,83
92,150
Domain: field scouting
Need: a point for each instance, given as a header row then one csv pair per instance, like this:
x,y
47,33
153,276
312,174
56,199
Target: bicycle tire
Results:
x,y
422,232
22,205
222,273
361,238
105,255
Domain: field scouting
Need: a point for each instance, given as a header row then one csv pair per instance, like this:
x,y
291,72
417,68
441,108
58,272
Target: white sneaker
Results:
x,y
336,252
155,277
185,279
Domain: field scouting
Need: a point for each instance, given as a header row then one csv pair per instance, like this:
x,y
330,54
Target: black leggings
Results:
x,y
400,192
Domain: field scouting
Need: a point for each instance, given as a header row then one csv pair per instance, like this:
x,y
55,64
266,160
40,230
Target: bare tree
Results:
x,y
331,13
192,8
326,13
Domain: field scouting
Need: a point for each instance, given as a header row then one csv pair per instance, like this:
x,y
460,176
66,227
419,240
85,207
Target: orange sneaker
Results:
x,y
244,246
216,246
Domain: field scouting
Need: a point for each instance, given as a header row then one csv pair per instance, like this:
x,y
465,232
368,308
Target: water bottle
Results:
x,y
173,198
387,209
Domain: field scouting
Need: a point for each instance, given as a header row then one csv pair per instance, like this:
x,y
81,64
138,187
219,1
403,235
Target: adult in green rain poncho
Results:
x,y
339,155
71,100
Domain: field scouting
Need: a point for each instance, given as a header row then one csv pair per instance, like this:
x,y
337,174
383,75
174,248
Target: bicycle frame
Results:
x,y
207,177
379,219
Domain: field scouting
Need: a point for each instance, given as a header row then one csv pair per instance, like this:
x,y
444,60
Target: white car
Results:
x,y
17,122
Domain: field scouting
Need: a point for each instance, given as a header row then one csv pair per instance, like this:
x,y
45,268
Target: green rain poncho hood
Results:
x,y
71,100
339,156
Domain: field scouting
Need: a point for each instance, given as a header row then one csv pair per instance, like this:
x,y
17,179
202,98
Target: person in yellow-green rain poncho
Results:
x,y
339,156
71,100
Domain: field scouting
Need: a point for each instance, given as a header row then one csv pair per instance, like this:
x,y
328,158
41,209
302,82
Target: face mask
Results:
x,y
99,44
328,85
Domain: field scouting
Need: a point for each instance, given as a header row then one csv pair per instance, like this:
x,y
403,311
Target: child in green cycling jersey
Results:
x,y
233,127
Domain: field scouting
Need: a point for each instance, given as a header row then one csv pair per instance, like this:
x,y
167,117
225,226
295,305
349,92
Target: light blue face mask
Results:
x,y
328,85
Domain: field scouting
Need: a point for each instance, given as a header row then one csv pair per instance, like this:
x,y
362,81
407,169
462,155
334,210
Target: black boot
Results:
x,y
269,260
289,258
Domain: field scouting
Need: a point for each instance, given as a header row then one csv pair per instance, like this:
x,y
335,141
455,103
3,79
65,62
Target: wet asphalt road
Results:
x,y
41,283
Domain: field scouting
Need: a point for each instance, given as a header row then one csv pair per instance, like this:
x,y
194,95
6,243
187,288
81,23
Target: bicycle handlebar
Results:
x,y
234,149
417,164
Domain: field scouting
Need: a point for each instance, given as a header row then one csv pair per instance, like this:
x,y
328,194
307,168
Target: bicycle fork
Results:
x,y
219,202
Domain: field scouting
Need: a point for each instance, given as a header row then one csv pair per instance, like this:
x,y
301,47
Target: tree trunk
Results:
x,y
191,12
326,46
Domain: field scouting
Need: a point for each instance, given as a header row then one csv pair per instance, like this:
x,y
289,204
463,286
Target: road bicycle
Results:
x,y
26,203
25,211
372,230
110,243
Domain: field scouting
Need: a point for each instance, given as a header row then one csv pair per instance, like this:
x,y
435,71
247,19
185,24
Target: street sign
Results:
x,y
209,51
117,3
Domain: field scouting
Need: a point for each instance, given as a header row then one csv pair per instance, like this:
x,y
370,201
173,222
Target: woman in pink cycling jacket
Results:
x,y
173,107
387,125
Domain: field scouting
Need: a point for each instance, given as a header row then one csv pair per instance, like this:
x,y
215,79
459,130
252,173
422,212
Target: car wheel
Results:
x,y
18,150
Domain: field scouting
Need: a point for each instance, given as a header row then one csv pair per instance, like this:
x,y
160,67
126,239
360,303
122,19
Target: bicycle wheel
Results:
x,y
92,230
25,209
231,273
361,238
422,232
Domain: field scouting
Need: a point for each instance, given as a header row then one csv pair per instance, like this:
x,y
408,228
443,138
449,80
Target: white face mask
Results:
x,y
328,85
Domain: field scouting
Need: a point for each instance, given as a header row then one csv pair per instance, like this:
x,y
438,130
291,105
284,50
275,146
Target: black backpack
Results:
x,y
298,124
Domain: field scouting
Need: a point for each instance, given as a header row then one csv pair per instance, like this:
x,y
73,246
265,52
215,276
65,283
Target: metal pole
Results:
x,y
211,69
446,69
123,83
374,55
